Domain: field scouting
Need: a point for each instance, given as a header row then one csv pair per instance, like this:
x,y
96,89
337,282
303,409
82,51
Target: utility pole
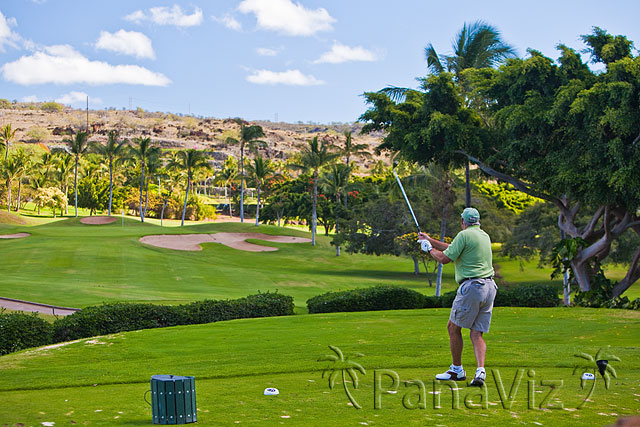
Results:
x,y
87,113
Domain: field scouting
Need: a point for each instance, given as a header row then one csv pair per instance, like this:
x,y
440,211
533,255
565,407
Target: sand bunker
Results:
x,y
98,220
15,236
191,242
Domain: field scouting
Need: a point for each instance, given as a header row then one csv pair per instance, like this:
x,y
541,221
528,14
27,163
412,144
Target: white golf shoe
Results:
x,y
479,378
452,374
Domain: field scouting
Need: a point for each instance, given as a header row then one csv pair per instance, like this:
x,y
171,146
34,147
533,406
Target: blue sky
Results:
x,y
307,60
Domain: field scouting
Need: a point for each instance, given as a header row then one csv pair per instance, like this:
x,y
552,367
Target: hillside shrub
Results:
x,y
121,317
51,107
19,331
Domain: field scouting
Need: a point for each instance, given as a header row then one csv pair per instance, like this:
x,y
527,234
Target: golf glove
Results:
x,y
425,245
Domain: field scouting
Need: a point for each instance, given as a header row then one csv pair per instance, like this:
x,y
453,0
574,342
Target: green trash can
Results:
x,y
173,399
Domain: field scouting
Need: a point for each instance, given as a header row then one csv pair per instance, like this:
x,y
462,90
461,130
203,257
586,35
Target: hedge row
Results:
x,y
19,331
397,298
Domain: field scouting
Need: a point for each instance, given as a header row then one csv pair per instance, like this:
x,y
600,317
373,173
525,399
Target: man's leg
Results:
x,y
455,342
479,347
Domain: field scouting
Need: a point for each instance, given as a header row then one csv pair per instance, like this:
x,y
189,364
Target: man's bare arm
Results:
x,y
439,256
437,244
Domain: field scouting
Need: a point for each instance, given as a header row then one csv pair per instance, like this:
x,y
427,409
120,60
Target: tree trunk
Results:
x,y
242,183
75,185
66,206
186,195
162,213
19,191
258,207
314,216
141,186
467,186
416,265
146,197
9,194
110,183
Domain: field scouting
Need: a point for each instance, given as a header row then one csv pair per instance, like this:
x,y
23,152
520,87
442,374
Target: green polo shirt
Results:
x,y
471,252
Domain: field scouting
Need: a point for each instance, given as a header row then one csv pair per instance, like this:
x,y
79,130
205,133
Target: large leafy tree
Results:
x,y
477,45
314,157
111,151
143,151
249,137
557,131
78,145
11,171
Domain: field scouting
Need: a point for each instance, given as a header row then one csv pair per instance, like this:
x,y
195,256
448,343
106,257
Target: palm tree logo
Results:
x,y
600,363
346,367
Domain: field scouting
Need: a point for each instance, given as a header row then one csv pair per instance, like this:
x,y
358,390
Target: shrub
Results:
x,y
51,107
19,331
120,317
38,134
5,104
367,299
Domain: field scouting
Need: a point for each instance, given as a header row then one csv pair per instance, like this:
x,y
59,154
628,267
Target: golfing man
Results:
x,y
471,252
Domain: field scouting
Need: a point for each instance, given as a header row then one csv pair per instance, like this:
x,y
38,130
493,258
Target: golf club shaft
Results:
x,y
407,200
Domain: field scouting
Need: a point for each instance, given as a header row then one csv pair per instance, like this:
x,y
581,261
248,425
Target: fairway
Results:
x,y
101,381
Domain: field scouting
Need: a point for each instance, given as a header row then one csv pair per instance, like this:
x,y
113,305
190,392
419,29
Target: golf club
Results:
x,y
405,196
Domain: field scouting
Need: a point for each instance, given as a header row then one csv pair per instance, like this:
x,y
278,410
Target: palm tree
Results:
x,y
351,149
189,160
6,135
260,171
312,158
78,146
336,182
64,167
477,45
112,150
143,151
25,162
248,135
226,176
10,172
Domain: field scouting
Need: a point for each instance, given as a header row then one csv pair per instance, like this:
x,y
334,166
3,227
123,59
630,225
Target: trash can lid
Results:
x,y
169,378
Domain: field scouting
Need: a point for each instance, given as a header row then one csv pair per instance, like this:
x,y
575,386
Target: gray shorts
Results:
x,y
473,304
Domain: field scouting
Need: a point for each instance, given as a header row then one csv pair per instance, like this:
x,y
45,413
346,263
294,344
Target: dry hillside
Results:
x,y
34,125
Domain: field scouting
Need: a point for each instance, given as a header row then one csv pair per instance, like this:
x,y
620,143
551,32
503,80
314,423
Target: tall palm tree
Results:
x,y
351,149
25,162
6,136
249,135
227,176
313,157
10,172
154,164
336,182
477,45
64,166
260,171
112,150
78,145
143,151
189,160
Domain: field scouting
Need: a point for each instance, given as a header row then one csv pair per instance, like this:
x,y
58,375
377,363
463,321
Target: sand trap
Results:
x,y
191,242
15,236
98,220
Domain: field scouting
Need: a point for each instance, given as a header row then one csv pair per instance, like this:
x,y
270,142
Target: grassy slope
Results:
x,y
102,381
71,264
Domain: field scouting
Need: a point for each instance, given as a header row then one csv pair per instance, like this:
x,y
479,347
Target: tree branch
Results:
x,y
588,230
520,185
633,274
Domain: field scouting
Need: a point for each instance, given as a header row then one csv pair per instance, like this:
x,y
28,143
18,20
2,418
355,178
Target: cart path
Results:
x,y
35,307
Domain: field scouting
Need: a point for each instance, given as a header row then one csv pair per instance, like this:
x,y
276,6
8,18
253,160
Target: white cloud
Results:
x,y
167,16
289,77
7,36
75,98
30,98
288,18
341,53
61,64
126,42
265,51
229,22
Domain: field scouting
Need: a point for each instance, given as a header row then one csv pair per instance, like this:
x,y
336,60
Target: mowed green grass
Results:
x,y
71,264
101,381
